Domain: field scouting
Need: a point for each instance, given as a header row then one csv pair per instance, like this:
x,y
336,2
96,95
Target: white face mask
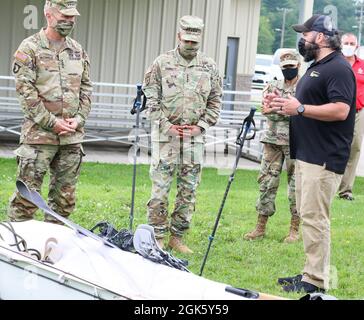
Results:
x,y
348,51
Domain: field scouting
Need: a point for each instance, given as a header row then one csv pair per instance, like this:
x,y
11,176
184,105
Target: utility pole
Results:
x,y
283,29
306,10
361,2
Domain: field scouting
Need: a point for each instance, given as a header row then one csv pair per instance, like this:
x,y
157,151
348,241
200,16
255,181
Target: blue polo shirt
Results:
x,y
320,142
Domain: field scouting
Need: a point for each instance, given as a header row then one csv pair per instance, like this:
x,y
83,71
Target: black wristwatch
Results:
x,y
301,109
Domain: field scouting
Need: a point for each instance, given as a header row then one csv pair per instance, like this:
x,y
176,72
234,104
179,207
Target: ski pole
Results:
x,y
246,128
135,110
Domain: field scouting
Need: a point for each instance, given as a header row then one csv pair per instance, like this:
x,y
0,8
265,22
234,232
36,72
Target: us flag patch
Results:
x,y
21,57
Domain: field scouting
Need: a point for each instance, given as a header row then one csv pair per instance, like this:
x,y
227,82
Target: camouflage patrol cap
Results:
x,y
191,28
289,57
66,7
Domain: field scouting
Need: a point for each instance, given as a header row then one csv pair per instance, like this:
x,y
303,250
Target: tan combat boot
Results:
x,y
293,231
160,242
259,231
176,243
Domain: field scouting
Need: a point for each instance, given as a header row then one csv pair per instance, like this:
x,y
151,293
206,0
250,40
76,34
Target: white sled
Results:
x,y
81,268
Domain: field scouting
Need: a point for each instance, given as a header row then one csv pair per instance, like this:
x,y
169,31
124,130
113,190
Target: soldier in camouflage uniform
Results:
x,y
52,74
276,150
183,87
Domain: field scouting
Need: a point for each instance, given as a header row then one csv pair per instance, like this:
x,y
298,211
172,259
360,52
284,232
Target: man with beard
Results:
x,y
52,76
321,131
183,88
349,47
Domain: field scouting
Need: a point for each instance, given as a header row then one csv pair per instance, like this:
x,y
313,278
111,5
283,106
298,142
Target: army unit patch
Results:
x,y
147,77
16,68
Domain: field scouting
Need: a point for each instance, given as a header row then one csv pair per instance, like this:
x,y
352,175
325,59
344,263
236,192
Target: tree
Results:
x,y
272,5
345,10
271,19
266,36
274,19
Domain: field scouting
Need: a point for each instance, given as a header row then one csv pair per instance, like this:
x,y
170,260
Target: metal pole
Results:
x,y
283,29
305,11
136,149
136,107
246,127
360,22
283,26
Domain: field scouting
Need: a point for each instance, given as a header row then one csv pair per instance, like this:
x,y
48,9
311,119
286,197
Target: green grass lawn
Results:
x,y
104,193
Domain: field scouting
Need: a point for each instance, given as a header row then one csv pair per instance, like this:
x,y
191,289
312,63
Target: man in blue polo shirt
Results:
x,y
321,131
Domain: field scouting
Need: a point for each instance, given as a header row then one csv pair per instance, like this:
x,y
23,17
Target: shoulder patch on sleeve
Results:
x,y
147,78
16,68
22,57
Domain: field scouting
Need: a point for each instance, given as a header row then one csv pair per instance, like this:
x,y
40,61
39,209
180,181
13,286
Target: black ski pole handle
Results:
x,y
246,127
137,101
139,93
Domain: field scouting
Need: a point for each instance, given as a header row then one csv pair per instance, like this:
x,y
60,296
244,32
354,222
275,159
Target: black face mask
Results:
x,y
290,73
308,53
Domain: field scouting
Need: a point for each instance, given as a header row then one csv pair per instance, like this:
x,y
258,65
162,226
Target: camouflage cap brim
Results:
x,y
70,12
288,62
190,37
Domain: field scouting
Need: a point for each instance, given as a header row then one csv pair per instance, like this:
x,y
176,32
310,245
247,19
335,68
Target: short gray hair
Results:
x,y
349,34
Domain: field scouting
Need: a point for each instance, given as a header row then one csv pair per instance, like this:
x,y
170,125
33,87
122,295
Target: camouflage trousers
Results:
x,y
169,158
34,161
269,177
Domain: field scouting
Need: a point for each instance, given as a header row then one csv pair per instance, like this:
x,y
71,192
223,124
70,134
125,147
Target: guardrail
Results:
x,y
110,118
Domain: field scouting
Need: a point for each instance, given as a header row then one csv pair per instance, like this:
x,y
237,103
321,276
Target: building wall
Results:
x,y
243,20
123,37
12,30
145,28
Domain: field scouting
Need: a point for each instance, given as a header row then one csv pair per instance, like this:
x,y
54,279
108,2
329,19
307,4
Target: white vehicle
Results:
x,y
262,72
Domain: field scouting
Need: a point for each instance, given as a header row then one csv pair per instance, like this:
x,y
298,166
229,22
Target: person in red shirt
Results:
x,y
349,47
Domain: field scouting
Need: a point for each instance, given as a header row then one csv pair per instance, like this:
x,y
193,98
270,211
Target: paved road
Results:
x,y
124,155
120,155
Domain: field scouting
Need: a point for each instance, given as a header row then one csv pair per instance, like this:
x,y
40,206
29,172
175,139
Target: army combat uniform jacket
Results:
x,y
182,93
278,125
52,85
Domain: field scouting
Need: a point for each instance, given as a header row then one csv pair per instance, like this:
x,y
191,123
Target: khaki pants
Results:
x,y
315,191
347,182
